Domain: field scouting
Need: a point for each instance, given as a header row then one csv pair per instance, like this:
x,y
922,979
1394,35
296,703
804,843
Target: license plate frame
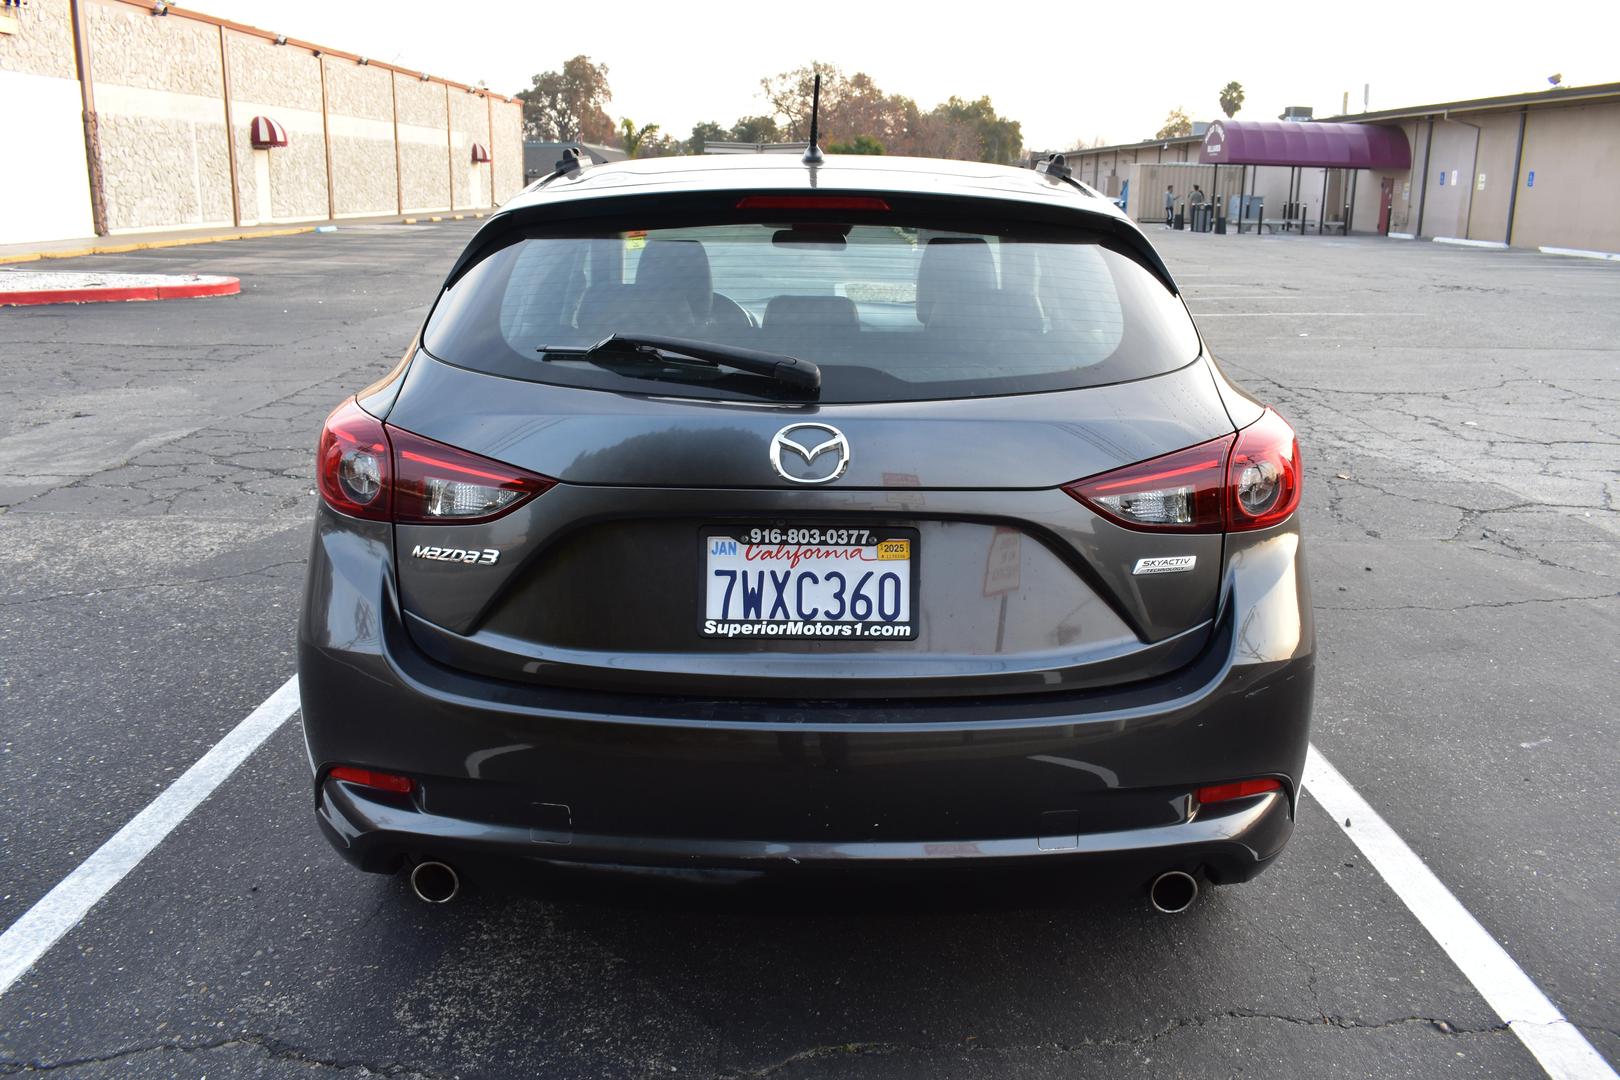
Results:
x,y
818,629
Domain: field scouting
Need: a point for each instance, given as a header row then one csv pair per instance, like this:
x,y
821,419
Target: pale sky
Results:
x,y
1067,70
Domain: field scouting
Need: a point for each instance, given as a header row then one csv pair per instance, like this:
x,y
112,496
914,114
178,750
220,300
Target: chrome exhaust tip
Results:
x,y
1173,891
435,882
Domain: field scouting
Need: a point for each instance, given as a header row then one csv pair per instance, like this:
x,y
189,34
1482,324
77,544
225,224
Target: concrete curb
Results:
x,y
228,286
147,245
1581,253
1494,245
241,234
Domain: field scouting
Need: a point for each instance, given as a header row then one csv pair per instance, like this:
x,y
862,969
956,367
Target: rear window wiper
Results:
x,y
789,370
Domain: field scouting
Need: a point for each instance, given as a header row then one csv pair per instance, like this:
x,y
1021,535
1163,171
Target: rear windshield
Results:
x,y
889,312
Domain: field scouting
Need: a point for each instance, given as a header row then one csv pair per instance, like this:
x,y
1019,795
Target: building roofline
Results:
x,y
174,11
1556,94
1175,140
1561,95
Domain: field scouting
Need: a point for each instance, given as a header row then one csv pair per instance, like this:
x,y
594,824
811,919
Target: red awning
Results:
x,y
480,153
1286,142
264,133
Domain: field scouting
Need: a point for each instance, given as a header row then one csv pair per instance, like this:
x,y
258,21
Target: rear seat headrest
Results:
x,y
954,271
676,270
835,314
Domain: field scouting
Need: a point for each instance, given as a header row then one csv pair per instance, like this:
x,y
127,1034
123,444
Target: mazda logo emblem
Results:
x,y
802,446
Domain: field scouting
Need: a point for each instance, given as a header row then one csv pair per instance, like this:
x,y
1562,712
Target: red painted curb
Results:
x,y
228,287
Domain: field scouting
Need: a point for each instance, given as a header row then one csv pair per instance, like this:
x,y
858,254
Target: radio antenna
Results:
x,y
812,153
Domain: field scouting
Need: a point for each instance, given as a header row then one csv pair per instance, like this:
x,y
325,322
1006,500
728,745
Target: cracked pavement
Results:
x,y
1462,449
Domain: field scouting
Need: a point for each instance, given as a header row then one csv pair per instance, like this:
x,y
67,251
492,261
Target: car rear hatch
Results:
x,y
601,581
903,531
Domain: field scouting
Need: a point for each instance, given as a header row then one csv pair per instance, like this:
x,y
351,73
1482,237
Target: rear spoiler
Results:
x,y
508,226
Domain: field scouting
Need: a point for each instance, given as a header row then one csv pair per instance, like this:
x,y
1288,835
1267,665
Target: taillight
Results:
x,y
1179,492
351,463
1264,475
1247,481
439,484
386,474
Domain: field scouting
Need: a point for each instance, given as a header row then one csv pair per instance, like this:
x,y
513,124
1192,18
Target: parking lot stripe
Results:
x,y
61,909
1556,1043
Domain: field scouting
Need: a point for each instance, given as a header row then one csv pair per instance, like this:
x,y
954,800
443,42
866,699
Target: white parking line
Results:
x,y
60,910
1557,1044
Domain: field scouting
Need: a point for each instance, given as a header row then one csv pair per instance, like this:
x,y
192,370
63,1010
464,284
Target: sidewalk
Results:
x,y
124,242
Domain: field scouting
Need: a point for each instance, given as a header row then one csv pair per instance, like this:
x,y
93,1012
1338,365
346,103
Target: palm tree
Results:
x,y
1231,98
633,137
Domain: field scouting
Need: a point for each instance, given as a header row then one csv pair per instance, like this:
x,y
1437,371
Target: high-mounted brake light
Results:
x,y
1238,789
371,778
1250,480
386,474
811,202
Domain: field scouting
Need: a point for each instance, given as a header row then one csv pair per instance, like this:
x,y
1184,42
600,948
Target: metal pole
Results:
x,y
326,132
92,134
230,130
1254,188
1423,190
1243,182
1513,195
399,177
449,147
1321,211
1350,207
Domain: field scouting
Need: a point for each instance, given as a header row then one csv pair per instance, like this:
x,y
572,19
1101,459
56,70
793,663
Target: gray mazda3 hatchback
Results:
x,y
744,513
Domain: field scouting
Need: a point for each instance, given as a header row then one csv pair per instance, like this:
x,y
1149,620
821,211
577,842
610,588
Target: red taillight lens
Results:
x,y
1264,475
811,202
351,463
386,474
1239,789
371,778
439,484
1179,492
1248,481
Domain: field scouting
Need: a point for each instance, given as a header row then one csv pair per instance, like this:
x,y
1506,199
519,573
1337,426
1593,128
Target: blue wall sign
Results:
x,y
1531,182
1442,178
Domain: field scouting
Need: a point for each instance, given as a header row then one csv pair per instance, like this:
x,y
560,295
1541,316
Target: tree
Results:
x,y
861,144
705,133
970,131
791,93
631,137
756,129
1176,125
1231,98
567,105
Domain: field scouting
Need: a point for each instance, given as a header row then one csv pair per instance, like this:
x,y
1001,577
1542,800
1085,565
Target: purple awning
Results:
x,y
1285,142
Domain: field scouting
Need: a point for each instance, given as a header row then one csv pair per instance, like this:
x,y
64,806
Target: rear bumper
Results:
x,y
1232,844
548,774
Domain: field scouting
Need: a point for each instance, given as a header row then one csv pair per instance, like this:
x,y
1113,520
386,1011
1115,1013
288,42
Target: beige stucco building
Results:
x,y
1526,170
136,121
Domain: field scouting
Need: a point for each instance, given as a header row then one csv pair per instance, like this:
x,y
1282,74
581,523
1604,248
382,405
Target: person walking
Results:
x,y
1169,205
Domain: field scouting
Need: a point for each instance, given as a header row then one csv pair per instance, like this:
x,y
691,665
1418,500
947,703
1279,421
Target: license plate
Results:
x,y
809,582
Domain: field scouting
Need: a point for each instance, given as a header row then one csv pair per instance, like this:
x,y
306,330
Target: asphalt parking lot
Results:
x,y
1460,413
